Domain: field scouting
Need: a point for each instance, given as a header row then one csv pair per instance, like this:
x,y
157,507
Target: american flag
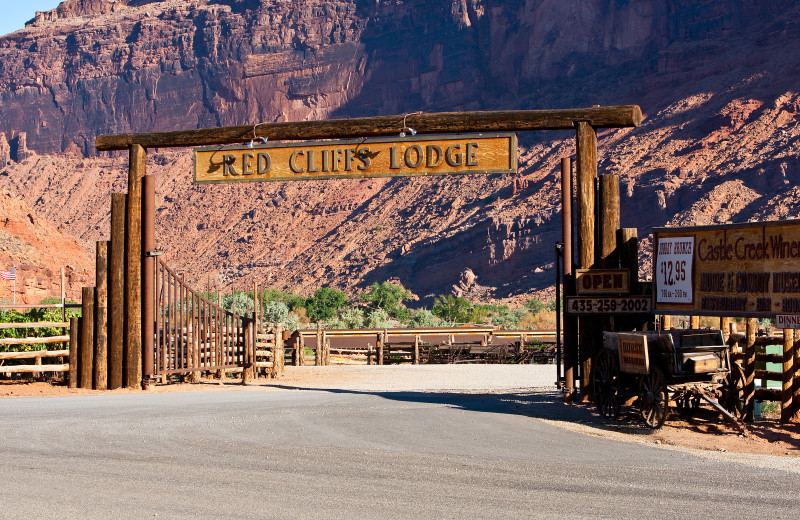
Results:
x,y
9,275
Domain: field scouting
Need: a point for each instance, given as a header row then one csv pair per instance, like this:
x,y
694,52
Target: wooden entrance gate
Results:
x,y
139,279
194,334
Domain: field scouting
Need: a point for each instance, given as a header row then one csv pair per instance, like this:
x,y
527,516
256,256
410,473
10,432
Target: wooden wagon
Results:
x,y
654,369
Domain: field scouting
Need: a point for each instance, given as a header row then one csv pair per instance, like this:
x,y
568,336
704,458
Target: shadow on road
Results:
x,y
539,403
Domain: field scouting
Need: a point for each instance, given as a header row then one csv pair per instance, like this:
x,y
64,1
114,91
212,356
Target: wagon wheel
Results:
x,y
653,398
687,403
606,384
733,392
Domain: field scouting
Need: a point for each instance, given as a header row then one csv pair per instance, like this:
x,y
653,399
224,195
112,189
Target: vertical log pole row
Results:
x,y
86,362
149,275
586,175
570,320
101,317
133,268
116,292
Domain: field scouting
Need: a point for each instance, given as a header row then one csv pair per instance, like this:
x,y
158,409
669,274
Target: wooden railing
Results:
x,y
415,345
9,361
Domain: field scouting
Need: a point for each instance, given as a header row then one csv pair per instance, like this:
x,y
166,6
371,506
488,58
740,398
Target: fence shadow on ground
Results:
x,y
549,404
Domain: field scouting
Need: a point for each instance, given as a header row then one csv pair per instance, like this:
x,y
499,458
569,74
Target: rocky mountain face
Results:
x,y
716,80
39,251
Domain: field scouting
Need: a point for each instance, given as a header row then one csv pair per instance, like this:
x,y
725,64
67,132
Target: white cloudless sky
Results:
x,y
14,13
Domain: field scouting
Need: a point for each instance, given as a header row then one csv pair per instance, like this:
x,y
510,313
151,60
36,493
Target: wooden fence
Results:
x,y
19,362
418,345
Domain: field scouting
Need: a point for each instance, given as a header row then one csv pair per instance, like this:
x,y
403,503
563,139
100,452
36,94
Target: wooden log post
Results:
x,y
300,350
586,167
278,353
724,326
319,351
74,352
379,348
101,317
116,292
370,353
666,322
133,268
609,221
750,368
249,368
415,353
87,337
787,390
694,322
628,248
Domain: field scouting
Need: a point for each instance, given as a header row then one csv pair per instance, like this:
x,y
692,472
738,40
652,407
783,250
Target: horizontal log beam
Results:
x,y
34,325
768,394
34,341
768,376
435,123
33,354
28,369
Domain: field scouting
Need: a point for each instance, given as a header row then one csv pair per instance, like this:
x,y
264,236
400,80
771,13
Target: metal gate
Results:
x,y
193,333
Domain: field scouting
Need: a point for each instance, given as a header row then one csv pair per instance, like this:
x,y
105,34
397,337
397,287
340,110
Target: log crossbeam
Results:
x,y
622,116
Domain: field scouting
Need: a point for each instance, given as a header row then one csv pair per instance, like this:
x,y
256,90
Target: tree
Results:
x,y
378,319
507,318
325,304
422,318
276,312
450,309
238,302
389,297
291,299
535,305
352,318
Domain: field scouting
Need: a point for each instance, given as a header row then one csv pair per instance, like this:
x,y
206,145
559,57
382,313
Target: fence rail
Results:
x,y
418,345
36,355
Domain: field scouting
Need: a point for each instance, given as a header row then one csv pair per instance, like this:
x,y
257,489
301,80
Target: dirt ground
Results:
x,y
706,431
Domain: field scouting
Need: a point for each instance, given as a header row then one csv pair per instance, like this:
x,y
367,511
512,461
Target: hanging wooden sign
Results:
x,y
358,158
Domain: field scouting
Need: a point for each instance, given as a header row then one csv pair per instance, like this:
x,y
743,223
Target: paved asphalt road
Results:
x,y
345,454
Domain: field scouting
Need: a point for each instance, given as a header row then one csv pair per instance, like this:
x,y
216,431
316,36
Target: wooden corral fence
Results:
x,y
20,362
748,350
418,345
